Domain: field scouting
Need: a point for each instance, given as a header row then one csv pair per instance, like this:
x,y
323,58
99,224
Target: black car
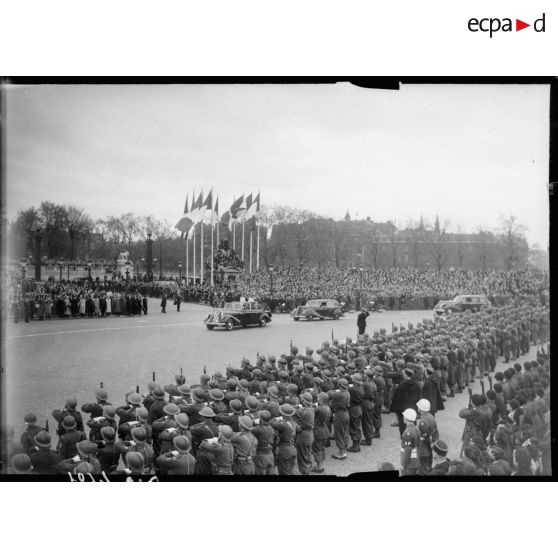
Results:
x,y
462,303
320,308
236,314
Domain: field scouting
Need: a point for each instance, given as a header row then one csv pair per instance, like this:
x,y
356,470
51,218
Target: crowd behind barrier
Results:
x,y
278,414
282,289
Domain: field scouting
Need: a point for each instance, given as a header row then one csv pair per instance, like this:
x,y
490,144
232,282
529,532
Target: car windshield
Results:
x,y
232,306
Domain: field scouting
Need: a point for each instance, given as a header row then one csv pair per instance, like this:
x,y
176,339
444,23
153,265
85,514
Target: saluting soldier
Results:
x,y
340,400
96,409
69,409
178,461
156,409
368,408
43,458
322,415
107,454
286,432
68,441
304,418
203,431
245,444
264,460
165,429
138,444
127,413
222,451
27,439
106,419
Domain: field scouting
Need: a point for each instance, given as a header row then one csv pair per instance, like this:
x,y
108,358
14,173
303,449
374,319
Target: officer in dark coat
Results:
x,y
43,458
68,441
431,391
163,303
31,430
361,321
69,409
406,396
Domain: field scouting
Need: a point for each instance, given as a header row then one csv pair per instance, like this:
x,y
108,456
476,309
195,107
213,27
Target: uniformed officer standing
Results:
x,y
68,441
368,408
428,431
31,430
286,432
222,451
409,444
245,444
264,460
322,415
356,394
304,418
177,461
340,400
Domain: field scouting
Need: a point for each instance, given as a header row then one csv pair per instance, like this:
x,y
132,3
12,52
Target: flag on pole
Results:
x,y
231,216
243,210
184,224
207,218
253,208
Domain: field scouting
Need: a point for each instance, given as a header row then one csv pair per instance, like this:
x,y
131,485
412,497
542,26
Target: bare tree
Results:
x,y
436,241
78,224
512,233
53,217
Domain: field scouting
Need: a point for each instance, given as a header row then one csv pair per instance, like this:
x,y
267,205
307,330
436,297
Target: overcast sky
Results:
x,y
467,152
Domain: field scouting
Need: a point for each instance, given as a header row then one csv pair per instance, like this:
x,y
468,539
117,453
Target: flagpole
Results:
x,y
251,251
234,235
194,251
202,263
258,246
187,258
243,222
212,227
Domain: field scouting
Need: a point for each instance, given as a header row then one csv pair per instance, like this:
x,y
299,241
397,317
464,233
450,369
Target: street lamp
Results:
x,y
60,267
127,268
23,275
180,271
89,269
142,265
154,263
361,269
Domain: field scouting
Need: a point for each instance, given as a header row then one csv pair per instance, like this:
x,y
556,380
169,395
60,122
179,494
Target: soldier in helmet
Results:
x,y
138,444
107,454
357,394
27,439
322,415
21,464
177,461
68,441
127,413
156,408
245,444
43,458
203,431
286,432
409,444
106,419
135,465
428,431
264,460
222,451
70,408
340,400
304,418
96,409
86,453
165,429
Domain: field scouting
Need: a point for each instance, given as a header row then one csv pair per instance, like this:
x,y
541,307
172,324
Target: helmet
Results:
x,y
69,422
199,394
184,389
85,447
139,434
245,423
71,402
252,403
134,460
142,413
306,398
265,416
108,433
236,405
226,431
158,393
207,412
182,420
410,414
42,439
30,417
109,411
423,405
181,443
286,410
216,394
171,409
135,399
21,463
101,394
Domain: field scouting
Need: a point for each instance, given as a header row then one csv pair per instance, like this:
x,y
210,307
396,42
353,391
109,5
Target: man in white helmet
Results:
x,y
409,444
428,431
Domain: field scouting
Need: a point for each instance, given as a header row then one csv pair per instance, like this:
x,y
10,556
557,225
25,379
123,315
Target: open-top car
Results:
x,y
462,303
320,309
238,314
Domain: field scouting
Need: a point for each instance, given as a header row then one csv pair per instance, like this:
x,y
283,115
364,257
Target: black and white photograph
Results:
x,y
275,280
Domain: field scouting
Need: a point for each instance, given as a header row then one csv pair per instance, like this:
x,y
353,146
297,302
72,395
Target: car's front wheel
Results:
x,y
209,326
229,324
263,322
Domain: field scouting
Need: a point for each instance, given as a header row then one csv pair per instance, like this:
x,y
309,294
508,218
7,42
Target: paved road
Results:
x,y
48,361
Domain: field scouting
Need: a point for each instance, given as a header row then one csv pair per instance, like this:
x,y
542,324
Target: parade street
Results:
x,y
47,361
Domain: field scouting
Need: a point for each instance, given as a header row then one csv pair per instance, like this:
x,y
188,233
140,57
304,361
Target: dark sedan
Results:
x,y
318,309
238,314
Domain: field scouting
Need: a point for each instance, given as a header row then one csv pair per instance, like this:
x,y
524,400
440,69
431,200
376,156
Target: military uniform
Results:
x,y
286,452
176,463
409,448
245,444
322,416
44,461
340,407
67,443
428,431
304,439
59,414
203,431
